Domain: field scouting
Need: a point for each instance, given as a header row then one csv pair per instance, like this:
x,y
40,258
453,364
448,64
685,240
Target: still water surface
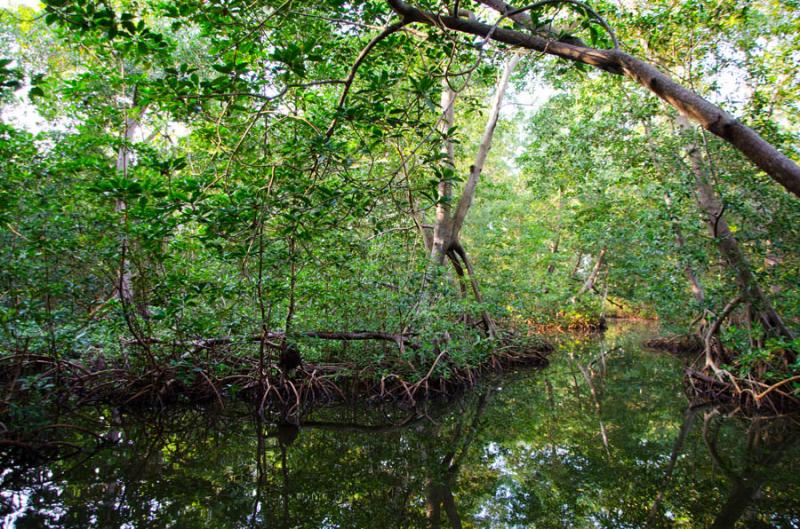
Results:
x,y
601,438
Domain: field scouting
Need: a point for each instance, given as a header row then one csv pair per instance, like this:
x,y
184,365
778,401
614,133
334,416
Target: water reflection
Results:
x,y
768,442
602,438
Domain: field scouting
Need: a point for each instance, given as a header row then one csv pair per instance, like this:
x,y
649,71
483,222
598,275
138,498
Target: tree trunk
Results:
x,y
442,234
554,246
577,266
553,251
739,499
589,284
468,193
688,271
710,204
125,282
447,225
460,279
488,322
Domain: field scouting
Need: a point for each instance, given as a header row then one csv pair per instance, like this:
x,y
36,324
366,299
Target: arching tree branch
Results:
x,y
391,28
596,17
712,118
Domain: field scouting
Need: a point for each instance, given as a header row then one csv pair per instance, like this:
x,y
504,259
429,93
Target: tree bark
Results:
x,y
468,193
735,259
577,266
460,279
778,166
125,285
553,251
554,245
589,284
680,242
444,241
488,322
442,227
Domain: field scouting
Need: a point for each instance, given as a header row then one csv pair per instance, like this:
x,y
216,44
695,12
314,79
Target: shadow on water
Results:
x,y
601,438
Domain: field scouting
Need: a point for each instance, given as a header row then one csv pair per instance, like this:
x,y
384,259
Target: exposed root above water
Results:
x,y
74,385
717,386
747,394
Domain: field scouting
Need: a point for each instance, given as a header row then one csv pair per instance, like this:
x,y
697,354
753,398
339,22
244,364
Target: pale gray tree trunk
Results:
x,y
554,245
468,193
711,206
445,239
590,281
443,222
125,286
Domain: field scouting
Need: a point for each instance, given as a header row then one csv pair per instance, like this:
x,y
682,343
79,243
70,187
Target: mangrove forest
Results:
x,y
401,264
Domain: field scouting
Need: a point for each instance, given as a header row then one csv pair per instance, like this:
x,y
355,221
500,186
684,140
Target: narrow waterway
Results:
x,y
603,437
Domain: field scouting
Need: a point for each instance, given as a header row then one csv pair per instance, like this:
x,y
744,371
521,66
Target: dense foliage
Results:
x,y
180,171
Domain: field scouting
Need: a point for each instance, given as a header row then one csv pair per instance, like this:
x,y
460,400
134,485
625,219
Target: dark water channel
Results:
x,y
601,438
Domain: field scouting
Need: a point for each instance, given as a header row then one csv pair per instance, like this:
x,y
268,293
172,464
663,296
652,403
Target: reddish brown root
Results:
x,y
749,396
311,383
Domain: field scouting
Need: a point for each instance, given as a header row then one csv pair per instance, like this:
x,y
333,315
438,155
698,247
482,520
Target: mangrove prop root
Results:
x,y
160,385
747,394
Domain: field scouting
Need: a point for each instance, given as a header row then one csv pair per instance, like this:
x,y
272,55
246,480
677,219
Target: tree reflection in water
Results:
x,y
601,438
